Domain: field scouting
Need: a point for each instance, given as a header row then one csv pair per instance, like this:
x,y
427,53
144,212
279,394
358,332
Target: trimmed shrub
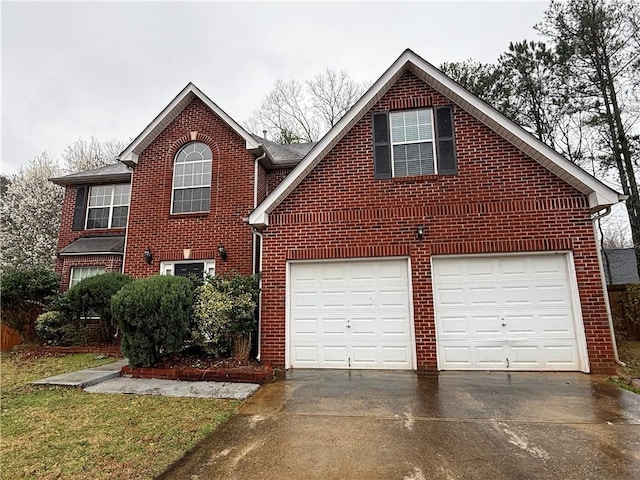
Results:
x,y
224,315
26,293
92,298
53,328
153,314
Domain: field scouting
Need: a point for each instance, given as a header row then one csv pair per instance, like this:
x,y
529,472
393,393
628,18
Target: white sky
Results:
x,y
76,69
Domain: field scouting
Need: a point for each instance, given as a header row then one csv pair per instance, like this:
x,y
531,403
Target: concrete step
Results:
x,y
86,377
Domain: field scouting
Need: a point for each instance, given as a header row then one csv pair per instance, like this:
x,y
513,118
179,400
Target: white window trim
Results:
x,y
111,206
104,270
432,141
167,268
190,187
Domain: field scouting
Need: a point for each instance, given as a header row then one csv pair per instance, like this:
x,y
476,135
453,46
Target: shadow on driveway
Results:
x,y
328,424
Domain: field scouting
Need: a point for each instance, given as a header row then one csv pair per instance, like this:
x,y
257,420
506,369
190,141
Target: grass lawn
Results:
x,y
54,432
629,352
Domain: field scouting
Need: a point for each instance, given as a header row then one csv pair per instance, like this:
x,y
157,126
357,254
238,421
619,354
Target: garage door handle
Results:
x,y
503,324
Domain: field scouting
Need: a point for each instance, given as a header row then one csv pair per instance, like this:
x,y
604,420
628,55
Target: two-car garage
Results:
x,y
492,312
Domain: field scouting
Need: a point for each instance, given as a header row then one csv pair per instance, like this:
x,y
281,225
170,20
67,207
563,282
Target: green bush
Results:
x,y
92,298
53,328
153,314
224,314
26,293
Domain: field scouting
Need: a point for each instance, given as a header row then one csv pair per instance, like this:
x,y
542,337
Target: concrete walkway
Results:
x,y
107,379
87,377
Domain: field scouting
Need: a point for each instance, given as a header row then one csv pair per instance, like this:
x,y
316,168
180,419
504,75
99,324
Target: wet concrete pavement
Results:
x,y
316,424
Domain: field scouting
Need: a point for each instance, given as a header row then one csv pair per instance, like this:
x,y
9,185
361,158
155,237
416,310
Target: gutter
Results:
x,y
605,292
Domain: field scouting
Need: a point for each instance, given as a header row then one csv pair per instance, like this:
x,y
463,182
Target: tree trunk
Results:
x,y
242,347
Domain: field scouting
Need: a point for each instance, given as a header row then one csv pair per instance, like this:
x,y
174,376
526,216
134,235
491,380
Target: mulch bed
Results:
x,y
198,367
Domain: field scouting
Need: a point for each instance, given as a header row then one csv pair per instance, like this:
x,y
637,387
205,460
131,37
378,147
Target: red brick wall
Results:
x,y
275,177
500,201
112,263
67,235
150,221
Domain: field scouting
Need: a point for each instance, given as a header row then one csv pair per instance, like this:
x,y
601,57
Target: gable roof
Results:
x,y
600,195
130,154
115,173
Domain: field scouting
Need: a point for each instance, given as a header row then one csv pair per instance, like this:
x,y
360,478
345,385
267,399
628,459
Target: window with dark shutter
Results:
x,y
445,147
381,146
80,208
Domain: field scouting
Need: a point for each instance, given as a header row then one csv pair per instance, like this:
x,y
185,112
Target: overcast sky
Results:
x,y
76,69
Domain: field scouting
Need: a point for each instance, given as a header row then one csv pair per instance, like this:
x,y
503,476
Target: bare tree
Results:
x,y
615,232
89,154
295,111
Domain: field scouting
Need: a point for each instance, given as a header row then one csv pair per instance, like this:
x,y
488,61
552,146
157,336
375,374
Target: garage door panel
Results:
x,y
362,310
555,325
517,295
394,327
481,296
505,312
334,354
306,326
449,296
306,354
458,356
363,298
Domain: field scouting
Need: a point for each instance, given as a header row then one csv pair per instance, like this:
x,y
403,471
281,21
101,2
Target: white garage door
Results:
x,y
350,314
509,312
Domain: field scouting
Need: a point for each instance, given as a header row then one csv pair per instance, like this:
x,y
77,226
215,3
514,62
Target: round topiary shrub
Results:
x,y
91,298
153,314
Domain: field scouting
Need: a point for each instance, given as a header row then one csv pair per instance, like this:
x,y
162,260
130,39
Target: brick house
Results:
x,y
425,231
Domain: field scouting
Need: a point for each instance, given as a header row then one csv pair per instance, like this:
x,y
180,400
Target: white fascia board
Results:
x,y
130,154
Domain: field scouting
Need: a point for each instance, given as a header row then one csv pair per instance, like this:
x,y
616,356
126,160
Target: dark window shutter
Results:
x,y
381,146
82,192
445,145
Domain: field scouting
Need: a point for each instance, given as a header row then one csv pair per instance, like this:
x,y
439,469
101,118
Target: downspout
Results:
x,y
126,230
256,235
604,286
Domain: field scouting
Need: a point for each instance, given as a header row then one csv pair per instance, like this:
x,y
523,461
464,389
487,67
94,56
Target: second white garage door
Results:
x,y
507,312
350,314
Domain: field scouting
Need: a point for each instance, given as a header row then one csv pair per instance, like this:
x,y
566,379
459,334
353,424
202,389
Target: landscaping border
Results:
x,y
260,374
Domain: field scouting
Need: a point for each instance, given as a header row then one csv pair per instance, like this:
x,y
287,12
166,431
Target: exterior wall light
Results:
x,y
148,255
420,233
223,252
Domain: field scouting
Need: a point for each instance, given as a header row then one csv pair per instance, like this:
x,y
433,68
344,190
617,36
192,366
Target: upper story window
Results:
x,y
412,149
108,206
414,142
192,179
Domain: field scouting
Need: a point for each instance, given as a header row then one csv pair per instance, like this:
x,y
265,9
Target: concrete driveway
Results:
x,y
315,424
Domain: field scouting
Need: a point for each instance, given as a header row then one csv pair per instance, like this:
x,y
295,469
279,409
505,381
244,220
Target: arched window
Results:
x,y
192,179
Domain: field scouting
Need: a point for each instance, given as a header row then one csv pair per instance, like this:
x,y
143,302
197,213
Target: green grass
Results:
x,y
53,432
